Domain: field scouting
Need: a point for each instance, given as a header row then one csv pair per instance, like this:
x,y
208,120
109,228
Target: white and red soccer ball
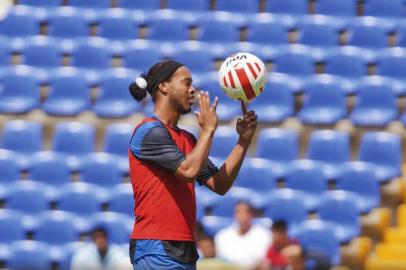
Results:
x,y
242,76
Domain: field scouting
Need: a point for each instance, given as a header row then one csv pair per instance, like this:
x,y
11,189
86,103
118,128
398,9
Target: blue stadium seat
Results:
x,y
74,139
330,147
307,177
224,141
28,197
287,205
121,199
319,235
79,198
376,104
42,52
56,228
116,224
114,100
116,141
139,5
213,224
369,33
11,228
20,91
19,22
5,54
225,206
101,169
275,103
348,65
358,177
9,169
239,6
50,168
324,102
337,206
206,198
141,56
268,32
392,64
383,151
90,3
92,53
118,25
186,5
318,32
278,145
393,9
196,58
292,7
219,31
339,8
33,255
69,93
41,3
68,22
256,174
168,28
24,138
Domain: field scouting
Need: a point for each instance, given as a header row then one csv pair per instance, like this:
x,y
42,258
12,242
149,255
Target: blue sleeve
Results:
x,y
152,142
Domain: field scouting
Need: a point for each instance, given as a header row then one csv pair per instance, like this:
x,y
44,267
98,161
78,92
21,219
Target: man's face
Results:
x,y
100,239
181,92
243,215
280,238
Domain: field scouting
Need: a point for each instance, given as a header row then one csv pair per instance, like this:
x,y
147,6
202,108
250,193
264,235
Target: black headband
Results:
x,y
165,72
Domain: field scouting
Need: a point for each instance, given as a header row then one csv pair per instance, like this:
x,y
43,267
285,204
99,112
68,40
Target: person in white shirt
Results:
x,y
100,255
243,243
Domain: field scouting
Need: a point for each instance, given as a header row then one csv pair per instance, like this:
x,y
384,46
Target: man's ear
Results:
x,y
163,88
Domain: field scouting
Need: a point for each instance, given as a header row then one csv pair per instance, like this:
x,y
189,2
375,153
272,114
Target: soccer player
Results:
x,y
166,161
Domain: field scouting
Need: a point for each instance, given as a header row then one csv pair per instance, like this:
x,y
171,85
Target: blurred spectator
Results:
x,y
300,259
100,254
243,243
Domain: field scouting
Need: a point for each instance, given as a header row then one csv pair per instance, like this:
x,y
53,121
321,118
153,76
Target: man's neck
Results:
x,y
167,115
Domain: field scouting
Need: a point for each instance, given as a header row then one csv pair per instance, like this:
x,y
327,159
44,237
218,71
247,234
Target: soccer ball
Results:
x,y
242,76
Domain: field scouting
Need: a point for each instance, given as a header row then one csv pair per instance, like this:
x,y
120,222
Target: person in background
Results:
x,y
100,254
243,243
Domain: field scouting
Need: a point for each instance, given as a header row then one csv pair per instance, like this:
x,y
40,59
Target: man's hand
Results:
x,y
207,116
247,125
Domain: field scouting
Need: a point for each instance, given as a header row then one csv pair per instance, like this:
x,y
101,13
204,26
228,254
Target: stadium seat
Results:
x,y
225,205
393,9
324,102
68,23
20,91
121,199
224,141
141,56
5,54
79,198
11,228
337,206
205,198
213,224
307,176
114,100
101,169
383,151
295,61
56,228
117,226
24,138
275,103
74,139
392,64
256,174
348,65
116,141
186,5
19,22
69,93
339,8
376,104
287,205
92,53
41,3
219,31
29,254
49,168
42,52
332,148
293,7
28,197
268,32
197,59
359,178
9,169
319,235
319,33
90,3
239,6
278,145
118,25
168,28
139,5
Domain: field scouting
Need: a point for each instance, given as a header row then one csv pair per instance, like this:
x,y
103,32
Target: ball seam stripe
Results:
x,y
245,83
252,70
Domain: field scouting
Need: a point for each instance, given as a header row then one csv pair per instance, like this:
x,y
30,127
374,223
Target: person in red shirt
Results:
x,y
281,240
166,161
